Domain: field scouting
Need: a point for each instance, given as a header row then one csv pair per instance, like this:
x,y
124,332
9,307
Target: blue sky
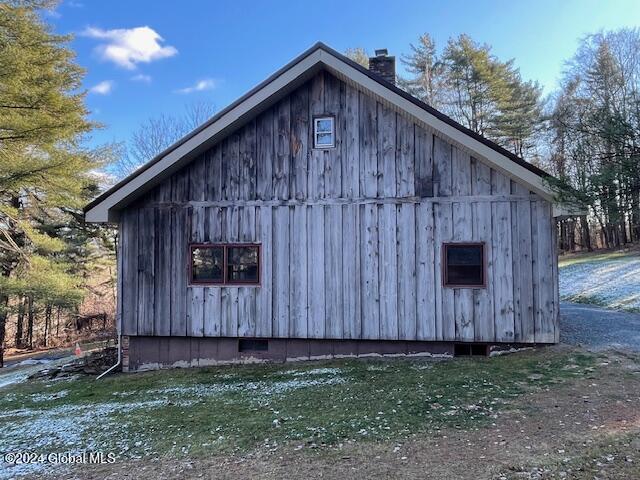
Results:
x,y
192,50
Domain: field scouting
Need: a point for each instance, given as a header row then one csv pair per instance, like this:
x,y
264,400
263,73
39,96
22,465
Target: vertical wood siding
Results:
x,y
351,236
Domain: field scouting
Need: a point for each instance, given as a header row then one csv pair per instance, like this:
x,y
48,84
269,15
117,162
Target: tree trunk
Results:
x,y
30,319
4,305
20,324
571,234
623,230
634,218
600,231
58,323
47,323
586,234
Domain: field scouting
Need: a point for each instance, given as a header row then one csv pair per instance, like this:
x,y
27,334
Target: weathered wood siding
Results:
x,y
351,236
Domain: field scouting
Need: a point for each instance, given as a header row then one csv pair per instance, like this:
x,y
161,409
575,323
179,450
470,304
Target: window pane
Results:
x,y
464,255
324,125
464,265
464,275
242,264
207,264
324,139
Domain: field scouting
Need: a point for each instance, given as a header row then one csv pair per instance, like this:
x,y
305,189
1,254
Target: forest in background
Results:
x,y
57,273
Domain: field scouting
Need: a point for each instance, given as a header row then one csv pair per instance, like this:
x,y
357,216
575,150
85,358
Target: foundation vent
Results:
x,y
253,345
470,350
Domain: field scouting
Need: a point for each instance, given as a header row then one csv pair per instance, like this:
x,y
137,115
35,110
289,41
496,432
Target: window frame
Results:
x,y
316,120
225,256
445,276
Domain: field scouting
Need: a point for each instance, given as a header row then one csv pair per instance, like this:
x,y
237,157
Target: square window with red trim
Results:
x,y
225,264
464,265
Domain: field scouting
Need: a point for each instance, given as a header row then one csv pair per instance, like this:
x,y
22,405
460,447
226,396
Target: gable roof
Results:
x,y
105,207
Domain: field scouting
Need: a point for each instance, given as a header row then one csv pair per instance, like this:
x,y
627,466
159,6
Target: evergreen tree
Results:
x,y
427,70
468,83
44,172
474,83
518,121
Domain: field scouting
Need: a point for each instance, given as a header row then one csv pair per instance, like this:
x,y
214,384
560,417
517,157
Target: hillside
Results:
x,y
611,279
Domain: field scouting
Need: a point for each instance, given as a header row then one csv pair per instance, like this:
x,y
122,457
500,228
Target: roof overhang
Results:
x,y
106,207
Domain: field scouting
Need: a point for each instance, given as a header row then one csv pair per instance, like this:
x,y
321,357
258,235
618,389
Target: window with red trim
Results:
x,y
464,265
226,264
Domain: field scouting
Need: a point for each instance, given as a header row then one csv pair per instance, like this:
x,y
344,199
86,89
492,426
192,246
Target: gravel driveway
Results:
x,y
598,328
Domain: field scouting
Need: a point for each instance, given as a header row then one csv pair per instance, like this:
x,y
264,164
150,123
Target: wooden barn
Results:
x,y
329,213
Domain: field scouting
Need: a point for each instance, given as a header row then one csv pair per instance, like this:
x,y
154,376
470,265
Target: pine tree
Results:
x,y
468,83
427,70
475,83
43,169
519,118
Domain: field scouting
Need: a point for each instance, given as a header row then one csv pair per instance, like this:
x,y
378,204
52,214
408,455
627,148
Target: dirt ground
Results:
x,y
588,428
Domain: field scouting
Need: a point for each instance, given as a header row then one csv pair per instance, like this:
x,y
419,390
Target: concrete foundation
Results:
x,y
150,353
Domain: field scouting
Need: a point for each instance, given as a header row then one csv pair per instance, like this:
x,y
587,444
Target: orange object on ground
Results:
x,y
78,350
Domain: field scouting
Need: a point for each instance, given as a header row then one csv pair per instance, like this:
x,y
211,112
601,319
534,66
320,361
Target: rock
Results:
x,y
91,364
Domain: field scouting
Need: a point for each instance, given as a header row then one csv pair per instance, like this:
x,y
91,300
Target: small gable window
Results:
x,y
464,265
226,264
324,132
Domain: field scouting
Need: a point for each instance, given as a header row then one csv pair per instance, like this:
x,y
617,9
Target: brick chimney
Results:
x,y
383,65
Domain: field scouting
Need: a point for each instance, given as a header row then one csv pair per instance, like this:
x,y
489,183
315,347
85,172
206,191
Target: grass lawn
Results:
x,y
609,279
594,257
234,410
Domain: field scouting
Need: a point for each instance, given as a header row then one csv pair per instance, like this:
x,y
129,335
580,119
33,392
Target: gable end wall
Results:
x,y
351,236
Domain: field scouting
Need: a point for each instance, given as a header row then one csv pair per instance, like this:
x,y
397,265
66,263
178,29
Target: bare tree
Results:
x,y
358,55
158,133
596,135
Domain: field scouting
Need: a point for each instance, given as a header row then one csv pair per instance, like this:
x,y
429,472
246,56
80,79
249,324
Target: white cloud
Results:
x,y
141,77
199,86
102,88
127,47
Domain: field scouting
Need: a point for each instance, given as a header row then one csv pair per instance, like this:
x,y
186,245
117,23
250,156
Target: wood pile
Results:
x,y
92,364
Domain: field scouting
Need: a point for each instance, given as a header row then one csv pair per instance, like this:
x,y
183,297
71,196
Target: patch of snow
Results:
x,y
21,372
13,378
254,388
315,371
61,429
126,393
615,282
42,397
421,366
92,426
376,368
496,353
33,361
